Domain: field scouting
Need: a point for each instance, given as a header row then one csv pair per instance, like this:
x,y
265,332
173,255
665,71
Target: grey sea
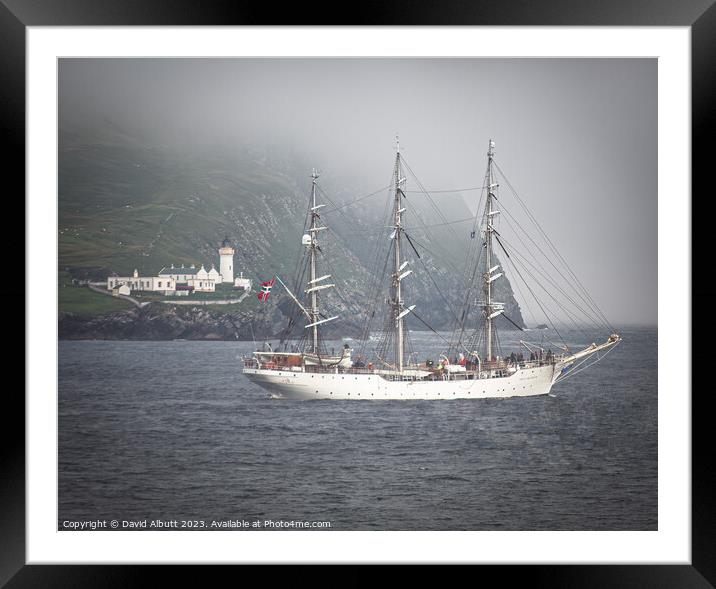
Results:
x,y
172,432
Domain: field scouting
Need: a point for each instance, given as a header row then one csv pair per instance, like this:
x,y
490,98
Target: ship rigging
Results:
x,y
473,364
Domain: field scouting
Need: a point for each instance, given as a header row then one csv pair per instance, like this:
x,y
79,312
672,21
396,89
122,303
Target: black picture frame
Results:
x,y
700,15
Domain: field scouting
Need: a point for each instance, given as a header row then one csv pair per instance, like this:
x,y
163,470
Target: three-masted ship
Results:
x,y
479,371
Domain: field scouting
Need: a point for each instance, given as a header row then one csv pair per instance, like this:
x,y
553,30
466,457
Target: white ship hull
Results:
x,y
287,384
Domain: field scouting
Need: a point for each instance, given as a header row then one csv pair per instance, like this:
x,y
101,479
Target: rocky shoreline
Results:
x,y
157,322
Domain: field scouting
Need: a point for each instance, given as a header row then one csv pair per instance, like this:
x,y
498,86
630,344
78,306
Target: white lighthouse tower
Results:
x,y
226,261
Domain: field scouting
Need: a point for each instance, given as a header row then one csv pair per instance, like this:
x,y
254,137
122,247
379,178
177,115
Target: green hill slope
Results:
x,y
126,205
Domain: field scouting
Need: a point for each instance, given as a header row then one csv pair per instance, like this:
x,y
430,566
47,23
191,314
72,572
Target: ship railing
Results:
x,y
436,370
250,362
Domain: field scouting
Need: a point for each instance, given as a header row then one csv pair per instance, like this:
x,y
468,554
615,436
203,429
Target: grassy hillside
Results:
x,y
83,301
126,205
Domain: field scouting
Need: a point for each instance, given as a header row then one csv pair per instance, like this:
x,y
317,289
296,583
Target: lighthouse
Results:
x,y
226,261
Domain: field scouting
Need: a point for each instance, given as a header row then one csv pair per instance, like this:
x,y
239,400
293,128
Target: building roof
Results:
x,y
226,242
177,271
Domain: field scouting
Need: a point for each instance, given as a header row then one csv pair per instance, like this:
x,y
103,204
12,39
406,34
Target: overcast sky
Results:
x,y
577,138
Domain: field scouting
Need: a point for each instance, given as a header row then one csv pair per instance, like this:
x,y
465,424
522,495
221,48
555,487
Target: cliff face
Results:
x,y
150,323
165,322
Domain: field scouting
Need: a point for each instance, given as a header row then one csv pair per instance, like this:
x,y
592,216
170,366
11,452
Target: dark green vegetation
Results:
x,y
126,205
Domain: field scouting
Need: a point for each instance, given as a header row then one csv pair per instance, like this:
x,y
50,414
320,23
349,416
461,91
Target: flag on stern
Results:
x,y
265,290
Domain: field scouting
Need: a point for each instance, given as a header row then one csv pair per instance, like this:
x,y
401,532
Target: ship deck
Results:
x,y
411,372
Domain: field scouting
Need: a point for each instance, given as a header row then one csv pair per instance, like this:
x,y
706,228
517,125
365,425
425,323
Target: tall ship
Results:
x,y
474,363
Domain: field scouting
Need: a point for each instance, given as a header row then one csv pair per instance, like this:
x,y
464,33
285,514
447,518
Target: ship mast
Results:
x,y
488,279
314,245
311,241
397,301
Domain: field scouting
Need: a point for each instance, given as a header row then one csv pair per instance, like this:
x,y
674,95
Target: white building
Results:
x,y
179,273
226,261
142,283
201,281
201,273
187,278
121,289
242,283
202,284
214,274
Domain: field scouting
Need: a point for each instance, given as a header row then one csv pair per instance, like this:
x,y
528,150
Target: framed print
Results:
x,y
211,289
